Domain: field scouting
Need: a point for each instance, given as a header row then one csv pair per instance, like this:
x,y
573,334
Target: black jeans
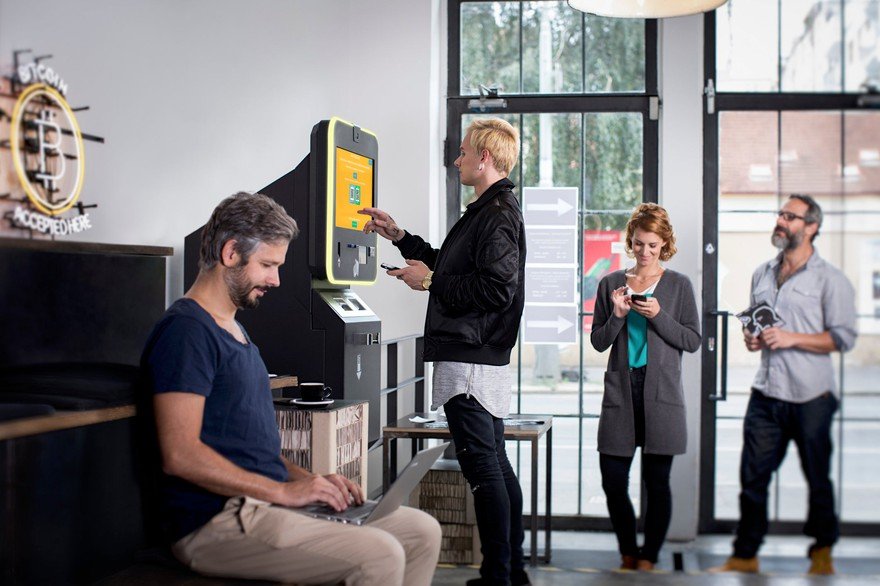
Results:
x,y
615,483
498,500
655,476
769,425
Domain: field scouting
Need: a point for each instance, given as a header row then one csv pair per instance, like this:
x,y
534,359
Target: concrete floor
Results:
x,y
592,558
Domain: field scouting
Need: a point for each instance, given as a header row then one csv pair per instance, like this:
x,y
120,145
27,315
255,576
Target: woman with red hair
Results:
x,y
647,315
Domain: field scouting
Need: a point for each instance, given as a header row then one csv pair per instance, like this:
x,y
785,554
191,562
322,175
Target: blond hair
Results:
x,y
499,138
650,217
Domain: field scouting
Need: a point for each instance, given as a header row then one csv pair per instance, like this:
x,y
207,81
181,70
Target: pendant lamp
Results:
x,y
645,8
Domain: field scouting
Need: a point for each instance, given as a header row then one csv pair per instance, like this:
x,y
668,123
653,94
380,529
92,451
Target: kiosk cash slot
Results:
x,y
314,326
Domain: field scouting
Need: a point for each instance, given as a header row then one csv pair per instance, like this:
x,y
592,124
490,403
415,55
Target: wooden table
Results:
x,y
404,428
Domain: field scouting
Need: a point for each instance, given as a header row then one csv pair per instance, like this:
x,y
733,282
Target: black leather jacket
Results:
x,y
477,291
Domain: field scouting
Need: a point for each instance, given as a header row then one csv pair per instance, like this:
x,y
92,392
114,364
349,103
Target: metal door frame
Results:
x,y
732,101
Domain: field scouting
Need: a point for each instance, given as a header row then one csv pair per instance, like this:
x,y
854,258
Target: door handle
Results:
x,y
722,396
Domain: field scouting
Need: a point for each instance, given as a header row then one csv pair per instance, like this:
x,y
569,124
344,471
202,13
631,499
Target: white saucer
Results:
x,y
301,403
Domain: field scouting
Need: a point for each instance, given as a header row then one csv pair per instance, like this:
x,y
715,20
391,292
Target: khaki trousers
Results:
x,y
252,539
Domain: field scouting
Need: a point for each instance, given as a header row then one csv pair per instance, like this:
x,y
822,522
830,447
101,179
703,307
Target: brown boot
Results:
x,y
628,562
820,561
644,566
735,564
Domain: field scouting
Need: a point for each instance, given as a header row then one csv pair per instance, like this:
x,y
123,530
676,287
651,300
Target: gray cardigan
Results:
x,y
675,328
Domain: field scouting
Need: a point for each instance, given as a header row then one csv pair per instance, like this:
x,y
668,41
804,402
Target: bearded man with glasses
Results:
x,y
794,395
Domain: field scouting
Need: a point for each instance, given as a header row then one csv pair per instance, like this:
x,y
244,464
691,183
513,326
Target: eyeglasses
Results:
x,y
789,217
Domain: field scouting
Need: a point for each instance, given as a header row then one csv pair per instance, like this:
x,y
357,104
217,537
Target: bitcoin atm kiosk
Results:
x,y
314,326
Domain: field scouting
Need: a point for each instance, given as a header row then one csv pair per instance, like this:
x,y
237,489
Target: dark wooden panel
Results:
x,y
71,505
61,306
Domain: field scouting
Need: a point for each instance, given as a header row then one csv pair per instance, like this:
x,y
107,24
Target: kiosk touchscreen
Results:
x,y
343,168
314,326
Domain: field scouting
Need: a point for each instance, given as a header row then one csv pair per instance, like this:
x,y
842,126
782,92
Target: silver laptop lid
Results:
x,y
397,493
412,474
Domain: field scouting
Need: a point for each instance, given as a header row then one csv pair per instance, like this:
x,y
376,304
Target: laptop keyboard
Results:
x,y
352,512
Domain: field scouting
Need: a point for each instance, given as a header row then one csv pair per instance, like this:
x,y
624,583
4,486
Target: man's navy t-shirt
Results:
x,y
188,352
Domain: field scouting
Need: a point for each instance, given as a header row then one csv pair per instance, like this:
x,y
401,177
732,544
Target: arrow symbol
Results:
x,y
560,323
358,372
560,207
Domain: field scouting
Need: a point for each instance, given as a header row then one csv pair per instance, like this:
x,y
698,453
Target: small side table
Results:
x,y
328,440
404,428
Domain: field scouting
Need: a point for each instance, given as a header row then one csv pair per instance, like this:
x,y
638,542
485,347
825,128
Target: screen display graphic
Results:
x,y
354,188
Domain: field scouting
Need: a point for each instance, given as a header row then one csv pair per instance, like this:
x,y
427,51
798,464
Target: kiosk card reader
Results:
x,y
314,326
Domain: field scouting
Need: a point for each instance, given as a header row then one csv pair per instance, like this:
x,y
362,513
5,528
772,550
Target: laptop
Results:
x,y
397,493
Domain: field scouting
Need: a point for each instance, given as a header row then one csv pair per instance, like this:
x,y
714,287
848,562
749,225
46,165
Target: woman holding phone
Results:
x,y
647,315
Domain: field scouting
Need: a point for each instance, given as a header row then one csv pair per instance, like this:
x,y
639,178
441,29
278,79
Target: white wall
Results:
x,y
399,104
681,193
200,98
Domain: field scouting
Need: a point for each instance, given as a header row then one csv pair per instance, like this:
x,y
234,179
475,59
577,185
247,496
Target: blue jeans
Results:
x,y
769,426
498,500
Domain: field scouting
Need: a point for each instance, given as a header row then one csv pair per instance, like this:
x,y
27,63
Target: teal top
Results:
x,y
637,335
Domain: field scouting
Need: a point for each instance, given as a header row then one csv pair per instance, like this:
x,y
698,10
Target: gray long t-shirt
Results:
x,y
488,384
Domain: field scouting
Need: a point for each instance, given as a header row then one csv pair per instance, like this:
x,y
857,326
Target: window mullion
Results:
x,y
520,48
584,52
779,46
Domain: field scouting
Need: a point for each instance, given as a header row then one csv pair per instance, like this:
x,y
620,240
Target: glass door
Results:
x,y
772,130
763,157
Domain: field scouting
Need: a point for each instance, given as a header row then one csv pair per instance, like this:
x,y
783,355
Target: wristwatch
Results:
x,y
426,282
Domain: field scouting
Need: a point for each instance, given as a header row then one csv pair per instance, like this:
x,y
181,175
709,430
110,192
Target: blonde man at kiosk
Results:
x,y
220,449
476,300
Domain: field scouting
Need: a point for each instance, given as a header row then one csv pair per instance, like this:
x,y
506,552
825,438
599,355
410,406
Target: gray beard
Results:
x,y
785,243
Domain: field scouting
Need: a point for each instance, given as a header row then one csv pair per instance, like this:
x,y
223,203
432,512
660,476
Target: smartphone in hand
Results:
x,y
637,297
389,267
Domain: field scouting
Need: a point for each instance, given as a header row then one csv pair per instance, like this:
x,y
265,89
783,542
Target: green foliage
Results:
x,y
600,153
565,28
613,159
588,53
614,54
490,46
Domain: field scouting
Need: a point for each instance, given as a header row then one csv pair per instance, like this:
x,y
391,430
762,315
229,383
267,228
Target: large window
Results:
x,y
797,45
787,119
582,92
548,48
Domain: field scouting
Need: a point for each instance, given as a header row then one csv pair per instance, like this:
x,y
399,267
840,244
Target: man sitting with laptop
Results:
x,y
220,450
